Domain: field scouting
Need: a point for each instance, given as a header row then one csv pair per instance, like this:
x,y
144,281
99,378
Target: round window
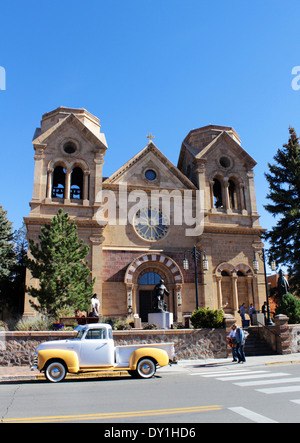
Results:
x,y
150,224
69,148
150,175
225,162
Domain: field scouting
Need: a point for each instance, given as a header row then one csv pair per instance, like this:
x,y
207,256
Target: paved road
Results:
x,y
198,394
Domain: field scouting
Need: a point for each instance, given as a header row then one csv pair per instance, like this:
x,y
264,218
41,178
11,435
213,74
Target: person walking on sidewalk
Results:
x,y
240,343
232,342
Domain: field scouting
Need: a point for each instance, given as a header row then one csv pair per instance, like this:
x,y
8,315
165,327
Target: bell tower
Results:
x,y
69,149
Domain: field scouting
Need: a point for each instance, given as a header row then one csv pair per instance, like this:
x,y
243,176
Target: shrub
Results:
x,y
290,306
150,326
3,326
35,324
207,318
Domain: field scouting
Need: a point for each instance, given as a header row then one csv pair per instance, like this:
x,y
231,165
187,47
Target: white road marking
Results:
x,y
269,382
296,401
253,416
214,373
281,390
257,376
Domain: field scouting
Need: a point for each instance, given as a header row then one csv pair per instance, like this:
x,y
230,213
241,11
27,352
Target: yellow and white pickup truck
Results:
x,y
93,350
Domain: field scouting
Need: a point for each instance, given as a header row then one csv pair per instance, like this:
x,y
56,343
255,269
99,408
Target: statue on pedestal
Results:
x,y
283,286
160,291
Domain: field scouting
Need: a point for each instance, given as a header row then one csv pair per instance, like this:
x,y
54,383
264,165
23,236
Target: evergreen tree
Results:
x,y
58,264
16,288
284,184
7,255
7,260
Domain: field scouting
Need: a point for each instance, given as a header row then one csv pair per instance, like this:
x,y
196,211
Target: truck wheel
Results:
x,y
55,372
146,368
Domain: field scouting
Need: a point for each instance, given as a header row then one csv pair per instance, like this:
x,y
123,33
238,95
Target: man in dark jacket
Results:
x,y
240,342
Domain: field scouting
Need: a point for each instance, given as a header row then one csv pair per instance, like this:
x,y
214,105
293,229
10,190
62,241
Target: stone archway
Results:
x,y
162,266
235,286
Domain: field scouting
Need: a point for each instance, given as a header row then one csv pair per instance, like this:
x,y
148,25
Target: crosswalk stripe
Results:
x,y
253,416
279,390
269,382
213,373
296,401
231,373
256,376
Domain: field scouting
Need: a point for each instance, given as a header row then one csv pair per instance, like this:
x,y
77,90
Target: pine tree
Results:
x,y
58,263
284,185
7,255
7,259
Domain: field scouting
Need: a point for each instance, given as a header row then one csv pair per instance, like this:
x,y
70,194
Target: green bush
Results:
x,y
35,324
290,306
207,318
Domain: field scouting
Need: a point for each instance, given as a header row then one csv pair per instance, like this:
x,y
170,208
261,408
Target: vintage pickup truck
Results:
x,y
93,350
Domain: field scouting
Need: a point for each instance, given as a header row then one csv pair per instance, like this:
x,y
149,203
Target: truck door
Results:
x,y
96,349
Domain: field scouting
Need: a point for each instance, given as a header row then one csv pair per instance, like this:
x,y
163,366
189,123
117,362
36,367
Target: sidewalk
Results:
x,y
23,373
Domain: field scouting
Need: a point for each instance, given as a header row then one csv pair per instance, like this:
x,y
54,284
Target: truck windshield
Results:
x,y
79,334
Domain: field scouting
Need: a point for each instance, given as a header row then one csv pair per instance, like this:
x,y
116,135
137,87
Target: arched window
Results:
x,y
217,191
241,274
58,188
76,190
225,274
150,278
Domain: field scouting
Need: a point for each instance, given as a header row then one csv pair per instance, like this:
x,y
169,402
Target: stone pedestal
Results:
x,y
258,319
163,320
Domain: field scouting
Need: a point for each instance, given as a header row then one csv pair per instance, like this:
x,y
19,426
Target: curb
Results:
x,y
86,375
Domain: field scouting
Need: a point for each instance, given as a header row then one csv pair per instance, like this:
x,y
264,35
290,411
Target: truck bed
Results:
x,y
122,353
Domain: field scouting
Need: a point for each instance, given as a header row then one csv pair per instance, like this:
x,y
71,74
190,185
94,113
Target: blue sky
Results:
x,y
160,66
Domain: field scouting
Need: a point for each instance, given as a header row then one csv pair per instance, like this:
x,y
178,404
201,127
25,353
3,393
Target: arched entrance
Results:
x,y
235,286
141,277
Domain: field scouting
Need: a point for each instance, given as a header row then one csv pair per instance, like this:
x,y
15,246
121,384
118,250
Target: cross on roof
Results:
x,y
151,137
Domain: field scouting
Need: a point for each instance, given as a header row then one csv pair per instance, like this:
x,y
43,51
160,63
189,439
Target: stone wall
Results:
x,y
17,348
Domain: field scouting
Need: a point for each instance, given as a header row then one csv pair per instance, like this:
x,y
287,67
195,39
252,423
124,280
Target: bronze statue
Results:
x,y
283,286
158,300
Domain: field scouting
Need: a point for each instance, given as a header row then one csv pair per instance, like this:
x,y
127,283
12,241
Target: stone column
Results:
x,y
253,206
49,184
226,201
67,186
38,172
235,292
85,191
283,334
178,298
219,289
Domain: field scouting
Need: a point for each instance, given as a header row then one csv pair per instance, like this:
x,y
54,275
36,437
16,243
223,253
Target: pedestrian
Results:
x,y
240,343
232,342
242,312
95,306
251,311
264,310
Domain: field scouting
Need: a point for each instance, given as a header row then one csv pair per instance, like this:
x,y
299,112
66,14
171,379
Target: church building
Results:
x,y
195,226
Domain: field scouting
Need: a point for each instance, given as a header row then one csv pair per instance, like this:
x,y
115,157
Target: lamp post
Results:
x,y
262,255
196,254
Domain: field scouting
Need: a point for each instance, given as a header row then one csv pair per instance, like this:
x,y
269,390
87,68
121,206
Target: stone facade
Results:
x,y
19,347
214,177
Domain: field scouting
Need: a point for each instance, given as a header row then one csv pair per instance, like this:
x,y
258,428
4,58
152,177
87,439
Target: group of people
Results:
x,y
94,309
251,311
237,338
